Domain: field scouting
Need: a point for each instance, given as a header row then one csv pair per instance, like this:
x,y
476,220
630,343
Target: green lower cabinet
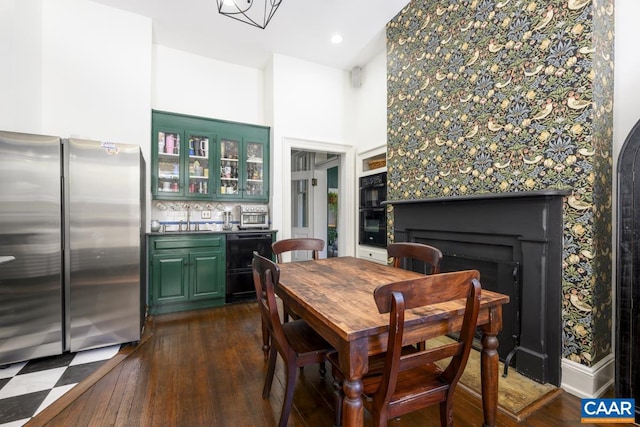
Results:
x,y
171,275
186,272
204,272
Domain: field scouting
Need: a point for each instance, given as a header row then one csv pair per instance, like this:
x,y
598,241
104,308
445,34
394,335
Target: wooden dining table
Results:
x,y
335,297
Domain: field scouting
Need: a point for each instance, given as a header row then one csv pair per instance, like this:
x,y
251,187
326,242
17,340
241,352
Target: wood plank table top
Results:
x,y
335,296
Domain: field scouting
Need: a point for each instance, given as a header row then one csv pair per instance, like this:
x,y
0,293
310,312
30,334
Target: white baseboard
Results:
x,y
588,382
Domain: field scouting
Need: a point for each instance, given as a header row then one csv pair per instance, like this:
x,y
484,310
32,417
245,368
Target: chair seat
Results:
x,y
304,340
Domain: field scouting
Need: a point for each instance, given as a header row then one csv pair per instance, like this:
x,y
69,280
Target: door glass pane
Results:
x,y
300,203
300,161
255,169
168,162
198,164
332,209
229,151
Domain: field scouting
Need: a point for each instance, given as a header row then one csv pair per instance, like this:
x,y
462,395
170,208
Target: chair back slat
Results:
x,y
427,290
297,244
404,253
413,360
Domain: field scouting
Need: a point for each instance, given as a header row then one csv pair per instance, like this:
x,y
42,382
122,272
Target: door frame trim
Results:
x,y
347,179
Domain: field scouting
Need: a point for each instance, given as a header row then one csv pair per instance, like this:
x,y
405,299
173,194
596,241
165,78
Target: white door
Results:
x,y
301,210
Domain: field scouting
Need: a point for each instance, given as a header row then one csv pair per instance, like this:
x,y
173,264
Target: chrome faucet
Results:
x,y
188,206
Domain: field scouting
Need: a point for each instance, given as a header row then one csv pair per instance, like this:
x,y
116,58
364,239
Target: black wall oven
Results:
x,y
373,215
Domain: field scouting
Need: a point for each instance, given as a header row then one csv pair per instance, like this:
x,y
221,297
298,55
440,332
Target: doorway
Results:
x,y
314,199
344,160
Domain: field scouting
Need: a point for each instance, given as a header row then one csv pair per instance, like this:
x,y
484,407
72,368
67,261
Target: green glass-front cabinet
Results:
x,y
243,159
186,272
182,163
198,158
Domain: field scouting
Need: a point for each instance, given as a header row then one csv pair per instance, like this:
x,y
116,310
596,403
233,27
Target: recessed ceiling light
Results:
x,y
336,39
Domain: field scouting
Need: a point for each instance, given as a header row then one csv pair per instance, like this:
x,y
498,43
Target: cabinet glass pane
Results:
x,y
199,146
255,169
168,162
229,167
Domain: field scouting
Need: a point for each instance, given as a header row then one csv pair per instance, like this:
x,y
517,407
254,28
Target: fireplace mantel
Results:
x,y
521,229
486,196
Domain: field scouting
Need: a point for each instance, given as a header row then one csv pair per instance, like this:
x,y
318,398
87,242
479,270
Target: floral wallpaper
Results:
x,y
490,96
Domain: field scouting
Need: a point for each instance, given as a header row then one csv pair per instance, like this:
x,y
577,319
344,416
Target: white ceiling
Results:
x,y
299,28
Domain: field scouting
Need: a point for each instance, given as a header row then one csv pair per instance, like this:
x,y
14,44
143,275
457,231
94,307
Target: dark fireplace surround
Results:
x,y
515,241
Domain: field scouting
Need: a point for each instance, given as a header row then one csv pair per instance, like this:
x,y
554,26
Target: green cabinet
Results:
x,y
181,163
186,272
198,158
243,160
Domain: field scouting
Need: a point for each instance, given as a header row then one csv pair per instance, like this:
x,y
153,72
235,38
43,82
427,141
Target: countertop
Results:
x,y
182,233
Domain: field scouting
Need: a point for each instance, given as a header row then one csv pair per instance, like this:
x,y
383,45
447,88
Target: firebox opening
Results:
x,y
499,267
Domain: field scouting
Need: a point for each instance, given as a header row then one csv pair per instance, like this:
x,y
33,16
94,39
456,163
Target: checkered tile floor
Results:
x,y
27,388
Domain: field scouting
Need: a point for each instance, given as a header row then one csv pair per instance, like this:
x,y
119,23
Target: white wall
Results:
x,y
311,104
311,101
370,112
20,56
626,107
191,84
75,68
96,71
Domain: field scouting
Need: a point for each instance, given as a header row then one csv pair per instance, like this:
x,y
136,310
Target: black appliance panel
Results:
x,y
373,215
373,190
373,227
240,248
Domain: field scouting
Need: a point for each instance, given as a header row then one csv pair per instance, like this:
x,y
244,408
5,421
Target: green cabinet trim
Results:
x,y
188,242
234,166
186,272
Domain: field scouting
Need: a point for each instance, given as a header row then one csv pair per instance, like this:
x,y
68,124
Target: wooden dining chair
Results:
x,y
297,244
405,379
279,247
404,252
295,341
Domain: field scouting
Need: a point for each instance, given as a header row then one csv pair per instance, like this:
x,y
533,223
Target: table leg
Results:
x,y
354,363
489,366
352,409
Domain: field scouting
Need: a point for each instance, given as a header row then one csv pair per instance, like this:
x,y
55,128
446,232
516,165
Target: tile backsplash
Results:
x,y
171,213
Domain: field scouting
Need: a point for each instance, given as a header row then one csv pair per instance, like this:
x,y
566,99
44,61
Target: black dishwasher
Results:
x,y
240,247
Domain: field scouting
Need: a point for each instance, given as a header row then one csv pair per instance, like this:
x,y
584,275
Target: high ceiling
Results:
x,y
299,28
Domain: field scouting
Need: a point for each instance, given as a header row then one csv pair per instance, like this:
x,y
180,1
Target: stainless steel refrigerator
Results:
x,y
71,214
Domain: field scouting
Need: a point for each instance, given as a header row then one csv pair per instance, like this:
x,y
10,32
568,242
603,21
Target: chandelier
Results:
x,y
257,13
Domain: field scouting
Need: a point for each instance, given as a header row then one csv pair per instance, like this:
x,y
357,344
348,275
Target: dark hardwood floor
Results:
x,y
206,368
